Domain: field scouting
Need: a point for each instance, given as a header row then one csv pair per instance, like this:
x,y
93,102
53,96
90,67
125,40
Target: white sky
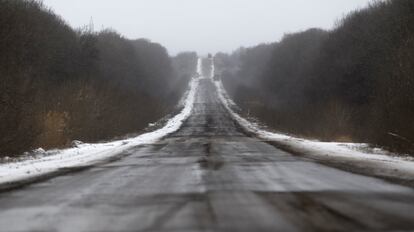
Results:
x,y
205,25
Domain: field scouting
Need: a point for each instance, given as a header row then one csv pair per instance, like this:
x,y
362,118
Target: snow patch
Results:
x,y
359,155
41,162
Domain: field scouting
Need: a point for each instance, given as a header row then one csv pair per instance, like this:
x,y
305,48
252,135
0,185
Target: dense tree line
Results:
x,y
185,65
59,84
353,83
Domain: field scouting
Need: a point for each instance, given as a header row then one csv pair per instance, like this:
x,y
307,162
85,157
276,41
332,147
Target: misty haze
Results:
x,y
193,115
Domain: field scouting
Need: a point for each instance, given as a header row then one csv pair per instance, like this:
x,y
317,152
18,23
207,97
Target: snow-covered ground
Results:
x,y
82,154
353,156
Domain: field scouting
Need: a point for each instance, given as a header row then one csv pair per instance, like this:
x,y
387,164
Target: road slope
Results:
x,y
209,176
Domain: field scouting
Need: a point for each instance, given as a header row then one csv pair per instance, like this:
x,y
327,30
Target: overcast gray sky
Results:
x,y
205,25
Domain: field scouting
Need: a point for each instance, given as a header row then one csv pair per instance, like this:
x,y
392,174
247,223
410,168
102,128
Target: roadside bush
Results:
x,y
353,83
58,84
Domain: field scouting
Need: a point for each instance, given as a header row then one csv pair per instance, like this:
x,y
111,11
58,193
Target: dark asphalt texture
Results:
x,y
209,176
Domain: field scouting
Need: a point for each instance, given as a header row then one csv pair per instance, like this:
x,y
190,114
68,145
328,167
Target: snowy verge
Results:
x,y
356,157
83,154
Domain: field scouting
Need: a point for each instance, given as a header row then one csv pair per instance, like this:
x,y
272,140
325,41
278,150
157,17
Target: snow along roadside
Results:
x,y
355,157
88,154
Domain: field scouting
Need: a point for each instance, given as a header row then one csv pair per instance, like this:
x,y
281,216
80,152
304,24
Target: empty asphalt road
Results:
x,y
209,176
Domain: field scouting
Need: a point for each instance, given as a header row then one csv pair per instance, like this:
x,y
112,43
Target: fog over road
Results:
x,y
209,176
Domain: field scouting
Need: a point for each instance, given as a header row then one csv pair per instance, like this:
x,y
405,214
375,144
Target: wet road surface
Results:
x,y
209,176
